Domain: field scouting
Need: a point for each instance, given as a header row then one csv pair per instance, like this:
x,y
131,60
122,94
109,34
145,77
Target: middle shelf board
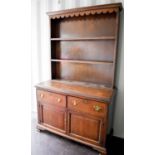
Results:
x,y
81,61
84,39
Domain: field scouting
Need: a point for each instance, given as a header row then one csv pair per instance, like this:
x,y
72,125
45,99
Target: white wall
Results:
x,y
119,105
40,45
41,51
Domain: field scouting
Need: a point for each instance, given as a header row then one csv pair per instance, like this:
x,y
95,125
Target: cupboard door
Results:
x,y
87,128
53,117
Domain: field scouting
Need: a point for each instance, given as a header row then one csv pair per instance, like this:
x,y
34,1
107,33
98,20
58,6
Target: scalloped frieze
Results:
x,y
83,13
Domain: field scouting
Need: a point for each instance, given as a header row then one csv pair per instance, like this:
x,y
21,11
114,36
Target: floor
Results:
x,y
45,143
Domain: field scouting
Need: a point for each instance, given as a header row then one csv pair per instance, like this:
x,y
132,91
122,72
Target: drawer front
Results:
x,y
45,97
87,106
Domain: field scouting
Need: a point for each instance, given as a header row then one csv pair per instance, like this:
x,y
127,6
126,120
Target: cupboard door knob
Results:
x,y
74,103
41,95
97,108
59,100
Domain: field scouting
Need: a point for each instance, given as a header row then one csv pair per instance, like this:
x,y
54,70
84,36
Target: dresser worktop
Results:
x,y
90,90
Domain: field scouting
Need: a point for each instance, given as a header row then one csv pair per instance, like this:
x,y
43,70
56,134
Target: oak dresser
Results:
x,y
76,102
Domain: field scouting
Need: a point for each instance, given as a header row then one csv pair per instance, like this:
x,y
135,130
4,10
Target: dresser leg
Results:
x,y
40,128
101,152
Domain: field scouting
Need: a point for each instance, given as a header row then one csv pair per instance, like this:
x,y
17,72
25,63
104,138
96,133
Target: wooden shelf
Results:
x,y
81,61
84,39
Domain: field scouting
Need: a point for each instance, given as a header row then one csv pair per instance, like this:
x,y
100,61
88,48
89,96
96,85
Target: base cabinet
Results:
x,y
74,117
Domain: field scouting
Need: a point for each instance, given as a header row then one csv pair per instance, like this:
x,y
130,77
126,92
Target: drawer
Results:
x,y
87,106
46,97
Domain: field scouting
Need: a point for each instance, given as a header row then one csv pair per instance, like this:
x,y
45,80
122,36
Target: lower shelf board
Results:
x,y
102,150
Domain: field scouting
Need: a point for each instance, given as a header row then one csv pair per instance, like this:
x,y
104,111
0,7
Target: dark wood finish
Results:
x,y
88,128
51,98
94,40
85,11
53,117
84,39
87,106
104,26
96,147
92,73
43,144
101,50
81,61
75,102
87,90
50,106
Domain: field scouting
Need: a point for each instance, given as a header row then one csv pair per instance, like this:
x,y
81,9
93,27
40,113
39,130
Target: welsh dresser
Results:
x,y
76,102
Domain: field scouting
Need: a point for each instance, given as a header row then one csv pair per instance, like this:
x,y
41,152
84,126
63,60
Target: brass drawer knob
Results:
x,y
41,95
59,100
97,108
74,103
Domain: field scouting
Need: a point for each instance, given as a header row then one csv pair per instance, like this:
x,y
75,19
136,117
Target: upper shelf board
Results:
x,y
84,39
